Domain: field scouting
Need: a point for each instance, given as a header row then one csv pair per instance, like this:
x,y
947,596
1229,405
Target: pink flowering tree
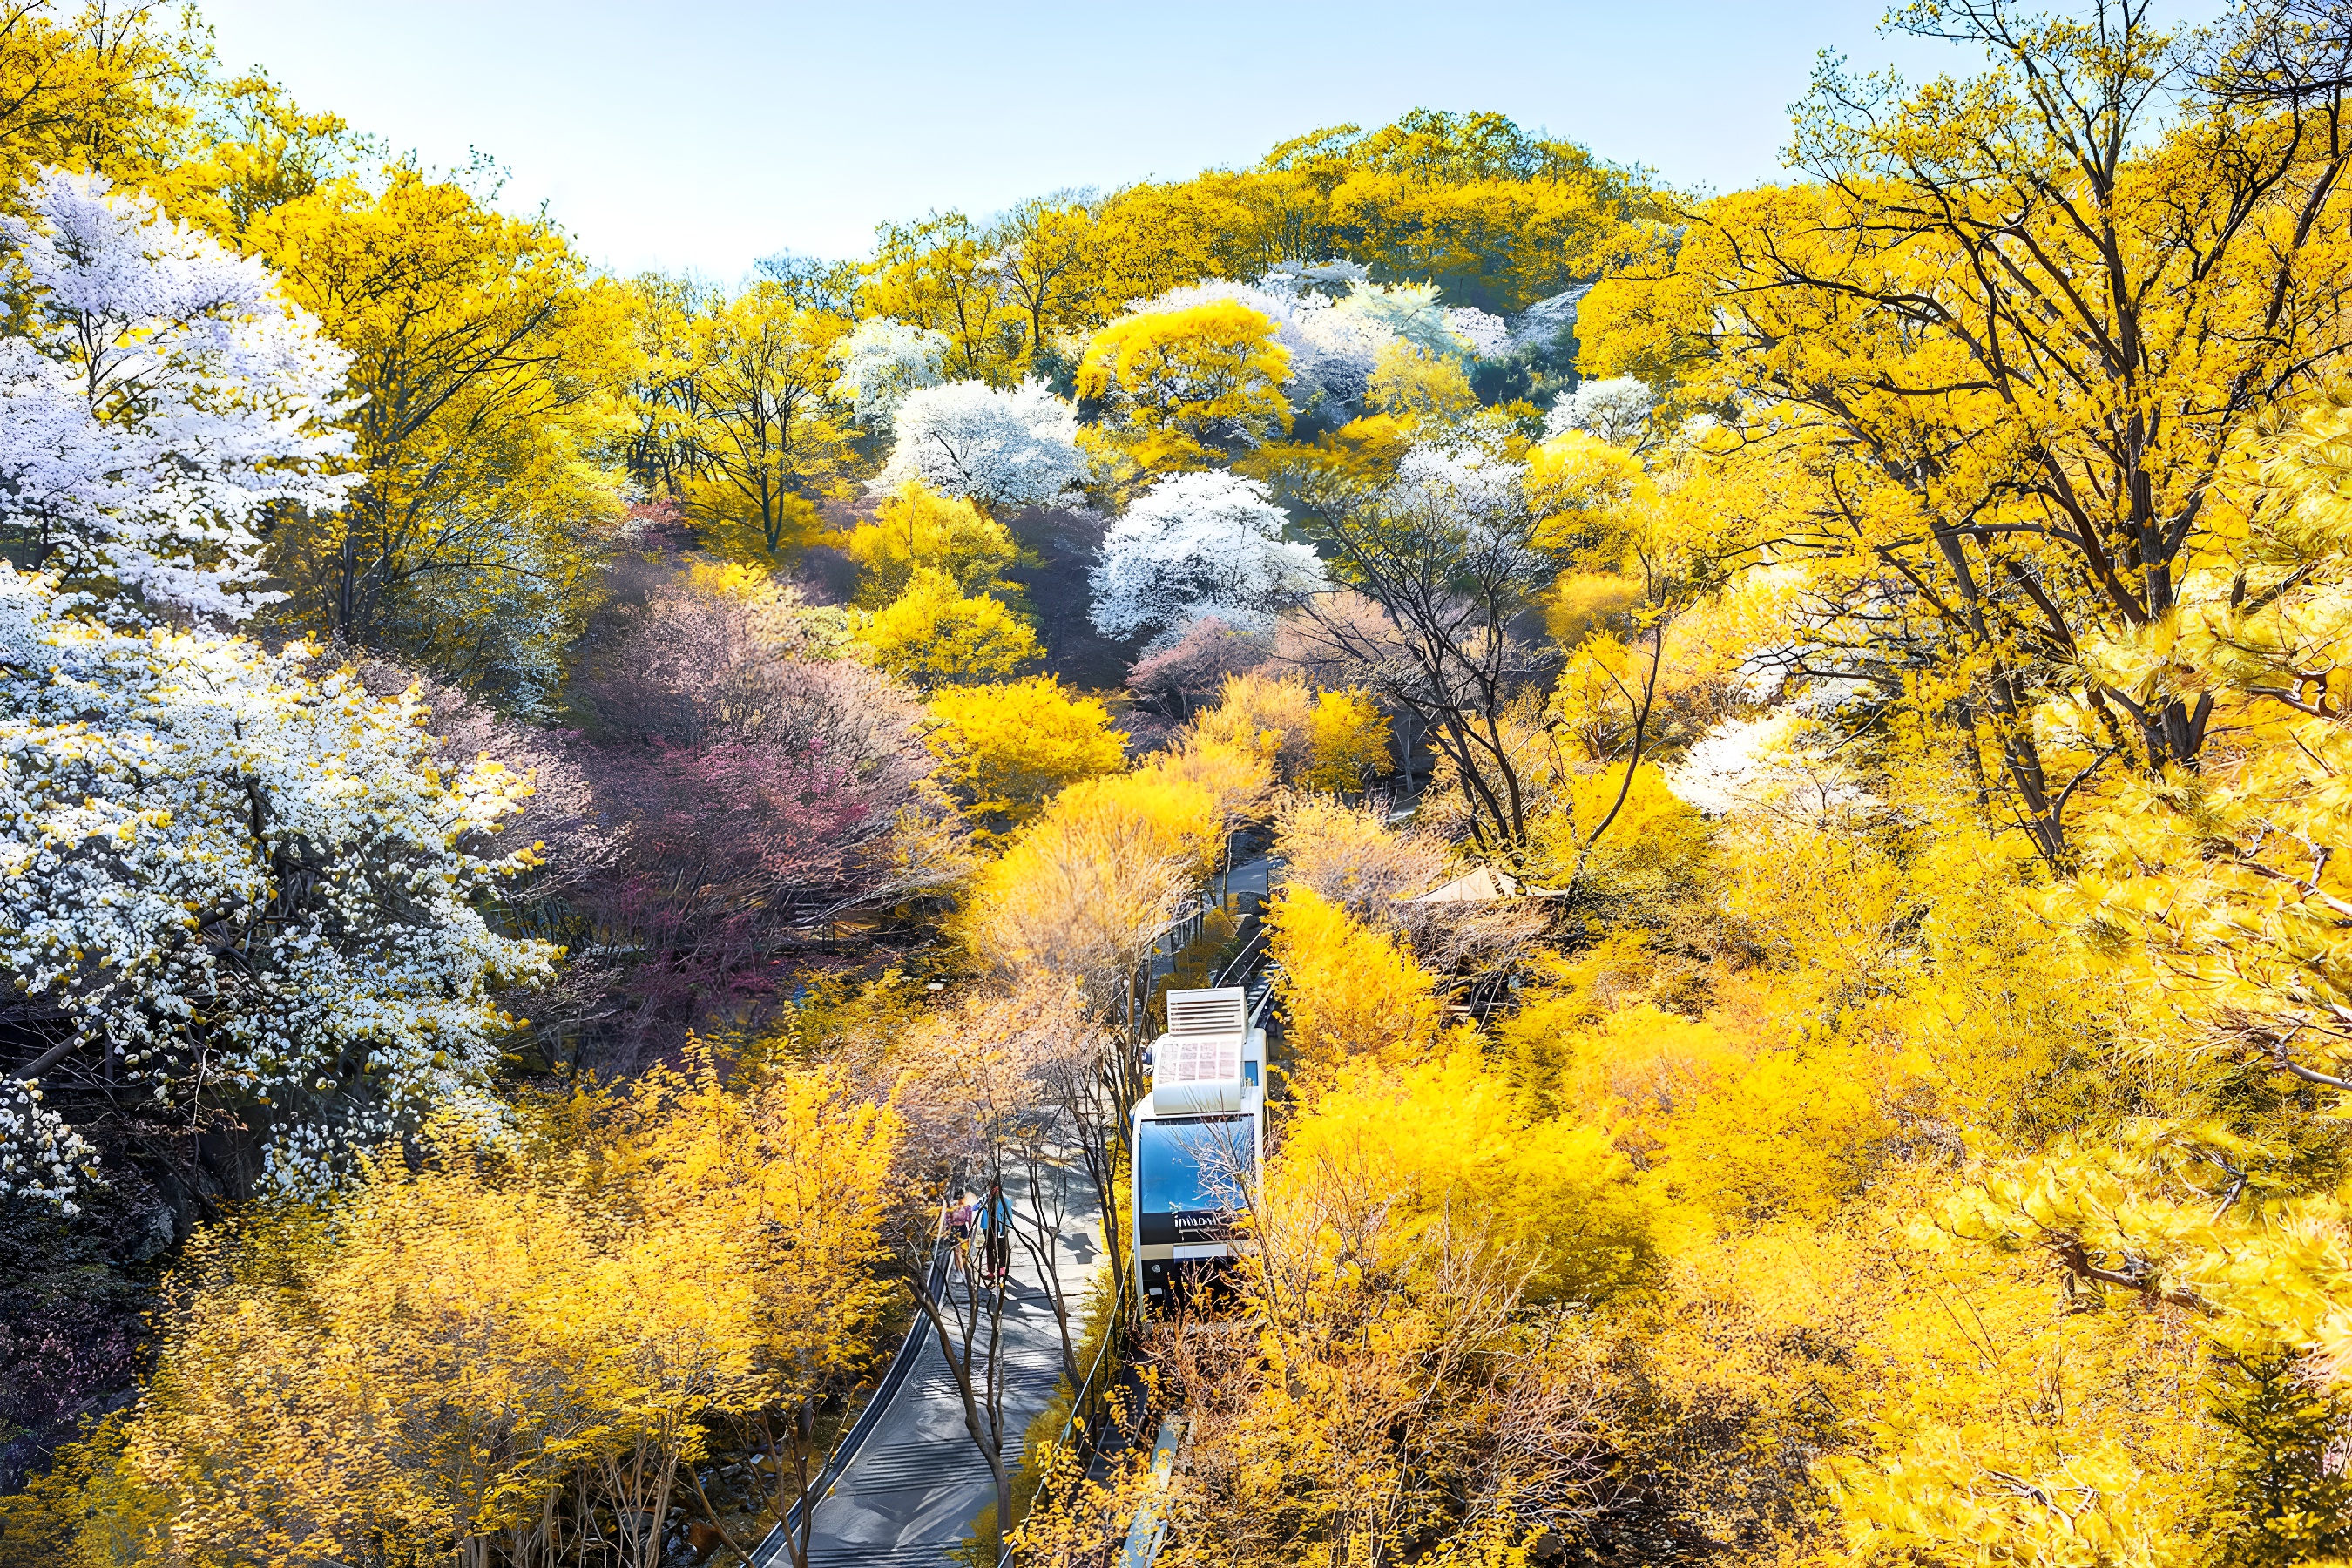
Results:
x,y
760,787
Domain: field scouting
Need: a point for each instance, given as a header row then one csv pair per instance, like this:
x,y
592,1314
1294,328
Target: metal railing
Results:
x,y
774,1544
1088,1405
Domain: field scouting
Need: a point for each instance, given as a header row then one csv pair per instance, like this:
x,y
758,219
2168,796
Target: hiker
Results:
x,y
960,1224
994,1220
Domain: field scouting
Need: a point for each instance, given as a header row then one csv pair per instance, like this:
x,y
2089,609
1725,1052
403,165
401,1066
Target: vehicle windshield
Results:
x,y
1190,1171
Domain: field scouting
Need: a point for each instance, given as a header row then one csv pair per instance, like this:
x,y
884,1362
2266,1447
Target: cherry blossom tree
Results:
x,y
1195,545
1190,671
882,363
994,448
228,880
158,397
1486,334
760,785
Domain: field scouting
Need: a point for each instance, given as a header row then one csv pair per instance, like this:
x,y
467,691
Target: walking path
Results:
x,y
911,1493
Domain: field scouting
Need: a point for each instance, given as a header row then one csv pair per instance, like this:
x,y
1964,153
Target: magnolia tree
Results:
x,y
882,363
225,879
994,448
157,398
1197,545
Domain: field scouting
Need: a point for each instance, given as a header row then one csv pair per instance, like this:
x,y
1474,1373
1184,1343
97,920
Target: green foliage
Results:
x,y
2288,1497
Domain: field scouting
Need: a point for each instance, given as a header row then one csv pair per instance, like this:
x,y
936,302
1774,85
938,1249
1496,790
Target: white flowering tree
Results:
x,y
993,449
1411,311
1485,335
157,398
1616,411
227,881
1195,545
882,362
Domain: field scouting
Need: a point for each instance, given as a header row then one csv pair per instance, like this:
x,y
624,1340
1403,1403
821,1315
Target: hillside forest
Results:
x,y
550,823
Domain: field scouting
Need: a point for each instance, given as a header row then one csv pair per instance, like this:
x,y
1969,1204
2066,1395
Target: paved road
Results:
x,y
1250,877
918,1481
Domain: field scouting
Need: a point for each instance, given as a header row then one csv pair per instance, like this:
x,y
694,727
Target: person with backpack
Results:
x,y
994,1220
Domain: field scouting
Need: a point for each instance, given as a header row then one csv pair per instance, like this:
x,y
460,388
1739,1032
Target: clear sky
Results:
x,y
705,135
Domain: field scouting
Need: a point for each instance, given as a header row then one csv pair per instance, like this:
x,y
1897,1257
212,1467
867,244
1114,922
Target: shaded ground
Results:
x,y
1062,544
911,1495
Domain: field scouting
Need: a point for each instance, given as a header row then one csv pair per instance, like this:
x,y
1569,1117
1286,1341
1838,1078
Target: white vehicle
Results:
x,y
1197,1137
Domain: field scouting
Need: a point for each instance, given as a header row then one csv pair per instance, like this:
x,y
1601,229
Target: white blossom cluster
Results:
x,y
883,361
996,449
1484,333
1616,410
1478,496
1764,762
156,396
1333,321
227,875
40,1156
1194,545
1328,280
1411,312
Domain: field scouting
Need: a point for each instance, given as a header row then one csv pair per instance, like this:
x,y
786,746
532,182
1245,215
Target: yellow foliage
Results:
x,y
1419,389
1652,857
733,580
1190,384
1347,990
764,435
762,532
1580,485
1362,451
1236,776
1178,812
446,1361
1007,750
935,635
1909,1398
1080,889
1581,601
488,367
1349,744
1272,715
914,529
1444,1136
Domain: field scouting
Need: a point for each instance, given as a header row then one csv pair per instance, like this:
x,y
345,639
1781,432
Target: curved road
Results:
x,y
910,1492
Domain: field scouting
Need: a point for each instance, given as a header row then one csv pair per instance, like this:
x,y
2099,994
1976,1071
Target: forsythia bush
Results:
x,y
517,1352
1007,749
933,633
1348,990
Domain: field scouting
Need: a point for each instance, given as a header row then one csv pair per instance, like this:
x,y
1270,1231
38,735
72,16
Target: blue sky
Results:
x,y
703,136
